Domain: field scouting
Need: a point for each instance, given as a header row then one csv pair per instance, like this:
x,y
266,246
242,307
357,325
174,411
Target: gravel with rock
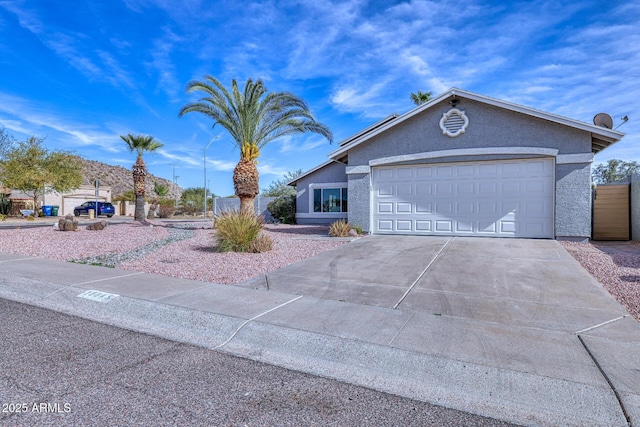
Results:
x,y
615,266
183,250
196,259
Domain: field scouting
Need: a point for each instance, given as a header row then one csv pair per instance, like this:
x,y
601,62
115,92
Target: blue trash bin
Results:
x,y
46,210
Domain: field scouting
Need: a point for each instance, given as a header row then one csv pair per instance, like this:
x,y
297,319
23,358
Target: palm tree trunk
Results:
x,y
245,182
139,174
139,212
246,204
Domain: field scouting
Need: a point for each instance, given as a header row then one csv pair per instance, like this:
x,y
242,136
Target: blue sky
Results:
x,y
83,73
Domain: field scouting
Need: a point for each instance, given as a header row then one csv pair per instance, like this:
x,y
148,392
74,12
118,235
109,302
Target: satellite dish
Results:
x,y
604,120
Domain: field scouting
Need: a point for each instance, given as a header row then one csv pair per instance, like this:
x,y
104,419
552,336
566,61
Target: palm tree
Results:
x,y
140,143
253,119
420,97
160,189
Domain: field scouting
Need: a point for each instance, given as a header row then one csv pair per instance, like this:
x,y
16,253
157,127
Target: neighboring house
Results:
x,y
461,164
74,198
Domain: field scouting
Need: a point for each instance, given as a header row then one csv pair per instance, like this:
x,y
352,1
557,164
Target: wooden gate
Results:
x,y
611,212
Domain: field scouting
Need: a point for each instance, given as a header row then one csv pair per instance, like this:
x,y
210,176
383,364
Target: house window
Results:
x,y
330,199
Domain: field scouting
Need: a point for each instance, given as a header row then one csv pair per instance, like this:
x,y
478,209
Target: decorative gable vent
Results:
x,y
454,122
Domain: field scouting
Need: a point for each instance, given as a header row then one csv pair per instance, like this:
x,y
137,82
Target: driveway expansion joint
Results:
x,y
599,325
254,318
606,377
423,273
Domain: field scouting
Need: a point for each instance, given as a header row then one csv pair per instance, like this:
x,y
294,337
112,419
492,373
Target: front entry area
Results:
x,y
511,198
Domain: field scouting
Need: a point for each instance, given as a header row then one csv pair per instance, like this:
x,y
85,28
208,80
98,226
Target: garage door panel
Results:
x,y
385,225
404,207
464,227
486,227
404,189
405,173
424,172
384,208
424,189
508,227
385,190
444,208
487,189
501,198
423,226
465,208
488,208
446,226
465,188
404,225
424,207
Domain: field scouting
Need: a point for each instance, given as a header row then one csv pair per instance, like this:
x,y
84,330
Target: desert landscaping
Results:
x,y
185,250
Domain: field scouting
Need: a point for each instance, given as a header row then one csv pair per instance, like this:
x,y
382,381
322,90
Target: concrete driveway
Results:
x,y
512,329
554,337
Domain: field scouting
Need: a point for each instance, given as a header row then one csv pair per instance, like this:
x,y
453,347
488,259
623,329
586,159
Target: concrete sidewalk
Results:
x,y
505,328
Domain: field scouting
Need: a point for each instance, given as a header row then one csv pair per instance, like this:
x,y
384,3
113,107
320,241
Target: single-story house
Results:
x,y
461,164
68,201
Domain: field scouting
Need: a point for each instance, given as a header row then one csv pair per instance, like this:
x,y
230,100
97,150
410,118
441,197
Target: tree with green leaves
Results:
x,y
192,199
614,170
29,167
253,118
140,144
280,188
420,97
7,142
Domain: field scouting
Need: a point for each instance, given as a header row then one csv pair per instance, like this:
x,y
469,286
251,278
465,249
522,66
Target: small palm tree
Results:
x,y
140,144
253,119
161,190
420,97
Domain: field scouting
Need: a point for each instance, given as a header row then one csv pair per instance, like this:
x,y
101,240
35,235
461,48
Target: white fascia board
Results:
x,y
606,134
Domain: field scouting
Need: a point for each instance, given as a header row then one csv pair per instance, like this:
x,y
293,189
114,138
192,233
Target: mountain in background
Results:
x,y
120,179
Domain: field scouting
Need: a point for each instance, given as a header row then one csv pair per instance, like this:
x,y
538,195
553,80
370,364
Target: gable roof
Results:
x,y
310,171
371,128
601,137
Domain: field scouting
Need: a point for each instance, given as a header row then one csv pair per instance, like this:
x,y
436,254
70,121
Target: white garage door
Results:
x,y
502,199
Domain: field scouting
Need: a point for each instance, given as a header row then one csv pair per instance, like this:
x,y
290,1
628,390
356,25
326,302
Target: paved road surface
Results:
x,y
79,372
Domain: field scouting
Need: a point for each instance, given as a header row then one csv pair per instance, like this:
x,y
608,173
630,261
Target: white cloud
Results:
x,y
163,65
21,115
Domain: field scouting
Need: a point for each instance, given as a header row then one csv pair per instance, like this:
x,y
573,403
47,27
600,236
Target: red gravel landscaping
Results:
x,y
616,265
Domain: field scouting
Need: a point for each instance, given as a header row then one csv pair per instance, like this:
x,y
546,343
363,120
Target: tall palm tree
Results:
x,y
420,97
253,119
140,144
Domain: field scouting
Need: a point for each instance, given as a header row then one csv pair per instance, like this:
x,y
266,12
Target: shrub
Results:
x,y
3,217
166,211
262,243
30,218
339,228
236,230
358,229
283,209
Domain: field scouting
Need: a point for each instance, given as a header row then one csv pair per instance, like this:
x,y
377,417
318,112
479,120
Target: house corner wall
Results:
x,y
573,201
359,200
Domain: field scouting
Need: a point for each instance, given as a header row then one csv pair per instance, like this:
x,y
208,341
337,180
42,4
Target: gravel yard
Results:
x,y
185,250
616,266
182,250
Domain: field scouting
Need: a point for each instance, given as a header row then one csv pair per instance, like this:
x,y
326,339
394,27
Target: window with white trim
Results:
x,y
330,199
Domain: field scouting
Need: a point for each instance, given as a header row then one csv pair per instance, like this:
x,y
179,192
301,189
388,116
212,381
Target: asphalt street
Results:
x,y
61,370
